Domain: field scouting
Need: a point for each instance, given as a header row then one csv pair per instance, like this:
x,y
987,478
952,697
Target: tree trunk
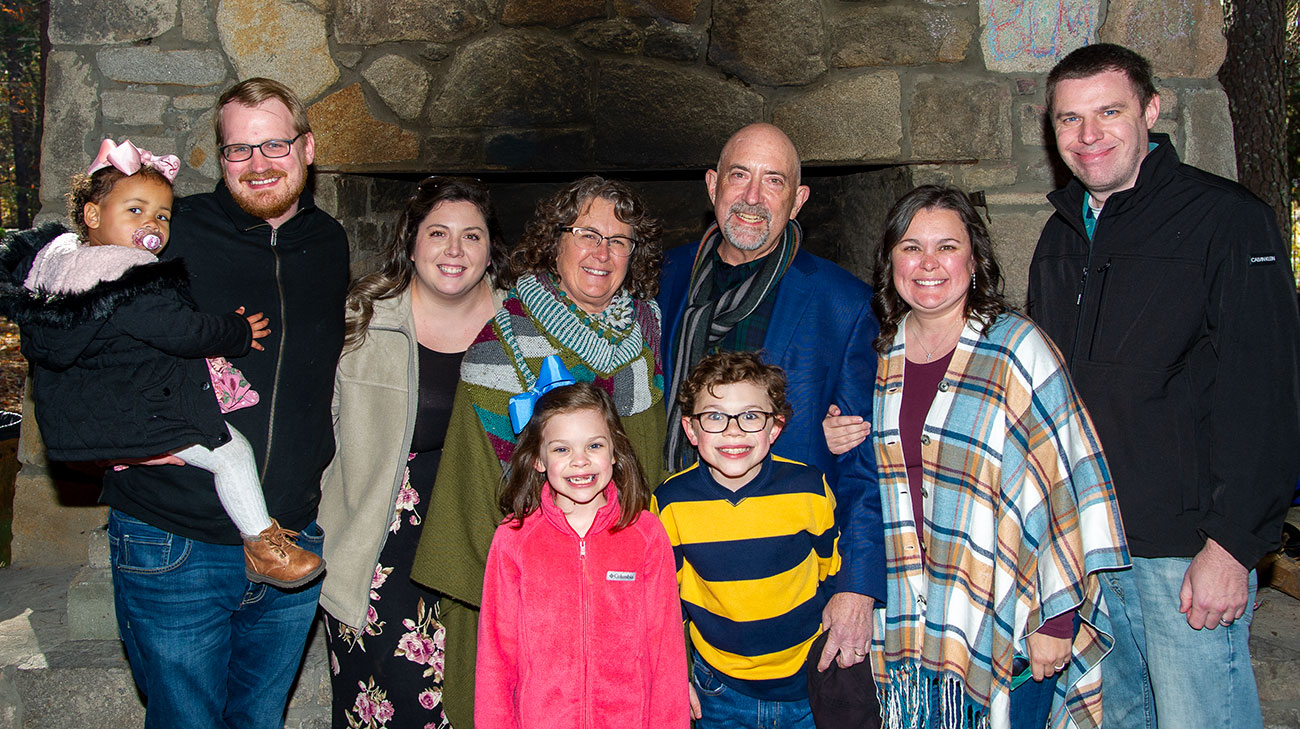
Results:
x,y
1253,75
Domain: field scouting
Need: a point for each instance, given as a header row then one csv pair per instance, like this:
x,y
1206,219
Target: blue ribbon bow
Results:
x,y
554,374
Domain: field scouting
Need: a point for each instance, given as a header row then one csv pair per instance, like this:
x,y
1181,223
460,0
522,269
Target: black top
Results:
x,y
297,275
1179,326
439,375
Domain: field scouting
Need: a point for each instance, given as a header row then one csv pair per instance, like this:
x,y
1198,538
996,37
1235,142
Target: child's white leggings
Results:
x,y
234,469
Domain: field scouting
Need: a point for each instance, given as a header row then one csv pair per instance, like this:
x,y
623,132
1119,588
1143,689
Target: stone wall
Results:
x,y
878,95
951,88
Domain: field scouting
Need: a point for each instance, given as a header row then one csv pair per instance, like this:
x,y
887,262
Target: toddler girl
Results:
x,y
580,623
116,345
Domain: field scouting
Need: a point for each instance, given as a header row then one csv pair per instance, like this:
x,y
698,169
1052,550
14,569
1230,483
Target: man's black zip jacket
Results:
x,y
1180,329
297,275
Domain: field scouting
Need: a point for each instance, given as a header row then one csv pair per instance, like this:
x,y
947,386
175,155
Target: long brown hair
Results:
x,y
984,301
521,490
396,269
539,247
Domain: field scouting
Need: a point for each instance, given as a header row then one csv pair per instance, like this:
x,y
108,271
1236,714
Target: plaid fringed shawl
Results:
x,y
1020,515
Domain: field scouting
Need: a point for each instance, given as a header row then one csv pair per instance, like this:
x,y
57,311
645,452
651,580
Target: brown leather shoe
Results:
x,y
275,558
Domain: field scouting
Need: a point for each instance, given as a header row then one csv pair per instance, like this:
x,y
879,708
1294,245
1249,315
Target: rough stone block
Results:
x,y
97,551
1207,131
934,174
1179,37
551,13
899,36
512,80
348,136
542,149
369,23
400,82
79,697
674,42
617,35
11,703
1034,131
204,67
200,151
854,119
77,22
682,11
196,23
280,40
133,109
960,117
40,502
650,115
452,151
986,176
90,606
71,105
1034,34
1015,234
189,102
768,42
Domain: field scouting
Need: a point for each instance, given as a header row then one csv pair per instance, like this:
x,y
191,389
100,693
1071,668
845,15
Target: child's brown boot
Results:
x,y
275,558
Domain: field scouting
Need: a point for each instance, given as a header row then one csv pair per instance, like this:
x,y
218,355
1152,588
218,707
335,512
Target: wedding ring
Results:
x,y
1225,622
857,652
1061,667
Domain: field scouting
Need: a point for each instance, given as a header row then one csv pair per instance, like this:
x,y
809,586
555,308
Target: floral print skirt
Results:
x,y
389,674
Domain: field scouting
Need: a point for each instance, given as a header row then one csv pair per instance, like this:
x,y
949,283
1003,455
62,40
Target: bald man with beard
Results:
x,y
747,285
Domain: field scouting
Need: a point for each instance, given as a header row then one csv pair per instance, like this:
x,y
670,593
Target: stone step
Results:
x,y
91,615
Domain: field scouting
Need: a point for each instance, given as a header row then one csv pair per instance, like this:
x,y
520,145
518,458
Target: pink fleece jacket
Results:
x,y
581,632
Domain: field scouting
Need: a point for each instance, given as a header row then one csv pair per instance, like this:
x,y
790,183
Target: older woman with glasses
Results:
x,y
408,326
584,278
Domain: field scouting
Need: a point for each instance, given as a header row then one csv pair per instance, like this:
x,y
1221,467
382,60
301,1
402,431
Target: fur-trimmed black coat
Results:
x,y
118,370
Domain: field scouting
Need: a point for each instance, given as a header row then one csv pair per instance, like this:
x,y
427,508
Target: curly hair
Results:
x,y
985,300
94,188
1098,58
521,489
728,368
397,269
539,247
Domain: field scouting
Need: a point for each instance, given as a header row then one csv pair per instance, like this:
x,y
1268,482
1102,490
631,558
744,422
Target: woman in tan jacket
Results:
x,y
408,327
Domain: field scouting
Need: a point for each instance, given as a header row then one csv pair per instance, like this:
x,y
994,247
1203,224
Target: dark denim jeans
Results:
x,y
723,707
208,648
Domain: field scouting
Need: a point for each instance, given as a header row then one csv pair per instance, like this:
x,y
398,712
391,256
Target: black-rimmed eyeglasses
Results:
x,y
271,149
750,421
588,239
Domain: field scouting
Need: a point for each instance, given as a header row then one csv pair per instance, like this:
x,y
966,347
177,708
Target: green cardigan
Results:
x,y
463,512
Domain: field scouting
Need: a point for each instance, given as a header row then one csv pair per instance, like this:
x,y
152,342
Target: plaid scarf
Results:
x,y
1020,516
709,316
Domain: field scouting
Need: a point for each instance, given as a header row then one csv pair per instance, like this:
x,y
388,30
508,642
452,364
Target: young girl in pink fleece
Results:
x,y
580,624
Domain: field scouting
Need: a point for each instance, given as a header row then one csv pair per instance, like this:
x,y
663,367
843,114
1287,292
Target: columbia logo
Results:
x,y
613,576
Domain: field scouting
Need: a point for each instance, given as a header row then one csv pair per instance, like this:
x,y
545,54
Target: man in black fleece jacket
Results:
x,y
207,647
1169,293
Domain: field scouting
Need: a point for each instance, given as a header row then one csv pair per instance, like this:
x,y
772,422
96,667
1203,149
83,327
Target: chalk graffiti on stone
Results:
x,y
1036,29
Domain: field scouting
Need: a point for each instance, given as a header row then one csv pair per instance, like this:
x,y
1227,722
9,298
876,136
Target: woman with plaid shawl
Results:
x,y
998,505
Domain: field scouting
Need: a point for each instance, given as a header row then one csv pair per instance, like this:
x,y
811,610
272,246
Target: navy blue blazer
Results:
x,y
821,333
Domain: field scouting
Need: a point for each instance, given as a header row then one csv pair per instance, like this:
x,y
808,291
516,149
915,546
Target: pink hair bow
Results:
x,y
128,158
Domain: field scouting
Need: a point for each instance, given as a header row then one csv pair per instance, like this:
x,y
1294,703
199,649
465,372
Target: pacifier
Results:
x,y
147,239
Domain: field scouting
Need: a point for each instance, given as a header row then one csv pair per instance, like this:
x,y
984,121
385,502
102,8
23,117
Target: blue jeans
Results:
x,y
1197,678
1201,678
723,707
208,648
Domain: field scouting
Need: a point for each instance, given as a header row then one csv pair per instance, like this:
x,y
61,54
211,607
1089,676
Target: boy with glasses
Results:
x,y
754,537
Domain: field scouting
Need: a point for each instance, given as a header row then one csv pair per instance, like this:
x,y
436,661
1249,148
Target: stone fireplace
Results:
x,y
528,94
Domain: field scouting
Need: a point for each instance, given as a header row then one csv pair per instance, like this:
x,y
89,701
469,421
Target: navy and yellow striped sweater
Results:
x,y
755,567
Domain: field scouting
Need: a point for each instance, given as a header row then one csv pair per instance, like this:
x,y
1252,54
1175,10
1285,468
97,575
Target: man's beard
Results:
x,y
272,203
739,239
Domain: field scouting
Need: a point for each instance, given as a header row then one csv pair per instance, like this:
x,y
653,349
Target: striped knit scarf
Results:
x,y
708,318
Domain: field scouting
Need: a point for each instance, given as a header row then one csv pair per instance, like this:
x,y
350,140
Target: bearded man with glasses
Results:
x,y
207,647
